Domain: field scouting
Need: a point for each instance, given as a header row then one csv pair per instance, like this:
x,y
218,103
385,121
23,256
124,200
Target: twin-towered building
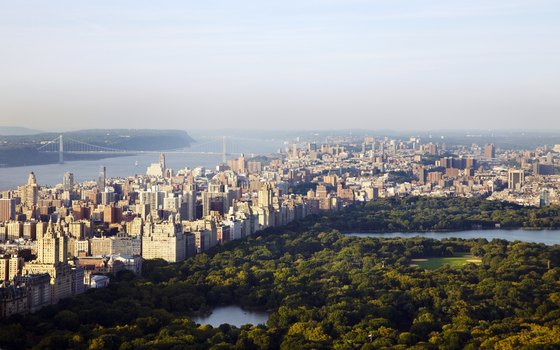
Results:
x,y
45,280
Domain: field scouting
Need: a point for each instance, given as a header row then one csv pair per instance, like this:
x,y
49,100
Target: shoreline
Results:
x,y
451,231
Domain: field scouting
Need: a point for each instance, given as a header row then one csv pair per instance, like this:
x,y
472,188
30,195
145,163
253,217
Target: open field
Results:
x,y
436,262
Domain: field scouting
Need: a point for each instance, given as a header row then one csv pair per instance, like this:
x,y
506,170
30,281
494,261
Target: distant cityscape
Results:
x,y
59,241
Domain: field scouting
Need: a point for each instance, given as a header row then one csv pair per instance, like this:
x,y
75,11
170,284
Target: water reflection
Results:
x,y
233,315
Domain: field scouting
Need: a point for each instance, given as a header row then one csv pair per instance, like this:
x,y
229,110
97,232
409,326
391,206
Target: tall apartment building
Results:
x,y
218,198
115,245
52,256
188,209
14,230
102,179
489,151
164,240
516,179
10,267
29,193
7,209
68,181
153,198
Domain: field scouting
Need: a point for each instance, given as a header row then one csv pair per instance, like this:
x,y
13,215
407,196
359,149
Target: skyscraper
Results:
x,y
265,195
489,151
516,179
68,181
189,198
7,209
102,178
52,258
29,193
10,266
162,162
164,240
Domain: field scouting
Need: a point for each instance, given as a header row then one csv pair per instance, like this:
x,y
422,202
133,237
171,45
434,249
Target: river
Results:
x,y
85,170
233,315
548,237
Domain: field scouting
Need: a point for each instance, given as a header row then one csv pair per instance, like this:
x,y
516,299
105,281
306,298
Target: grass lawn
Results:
x,y
436,262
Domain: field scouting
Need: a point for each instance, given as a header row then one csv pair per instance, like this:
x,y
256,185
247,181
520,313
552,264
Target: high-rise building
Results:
x,y
164,240
238,165
10,267
422,174
52,258
68,181
112,214
29,193
458,163
543,169
153,198
218,198
14,230
489,151
114,245
7,209
162,162
516,179
265,195
102,178
189,204
30,230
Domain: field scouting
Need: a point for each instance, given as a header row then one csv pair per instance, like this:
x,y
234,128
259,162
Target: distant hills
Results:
x,y
133,139
17,131
21,149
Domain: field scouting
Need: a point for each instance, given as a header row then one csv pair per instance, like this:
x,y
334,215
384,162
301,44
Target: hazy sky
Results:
x,y
399,64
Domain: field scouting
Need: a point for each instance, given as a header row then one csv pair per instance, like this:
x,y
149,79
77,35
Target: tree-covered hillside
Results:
x,y
22,150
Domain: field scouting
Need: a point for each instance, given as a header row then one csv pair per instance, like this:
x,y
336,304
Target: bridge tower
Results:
x,y
224,150
60,150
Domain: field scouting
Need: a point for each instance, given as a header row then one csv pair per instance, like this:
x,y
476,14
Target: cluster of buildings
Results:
x,y
58,241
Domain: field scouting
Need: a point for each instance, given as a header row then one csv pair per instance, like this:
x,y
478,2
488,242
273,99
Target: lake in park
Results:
x,y
548,237
233,315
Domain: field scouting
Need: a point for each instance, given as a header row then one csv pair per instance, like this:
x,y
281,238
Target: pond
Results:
x,y
233,315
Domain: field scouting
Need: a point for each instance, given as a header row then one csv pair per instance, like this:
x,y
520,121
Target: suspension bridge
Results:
x,y
212,146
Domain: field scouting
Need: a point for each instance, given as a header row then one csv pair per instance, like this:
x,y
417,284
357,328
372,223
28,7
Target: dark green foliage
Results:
x,y
432,214
324,290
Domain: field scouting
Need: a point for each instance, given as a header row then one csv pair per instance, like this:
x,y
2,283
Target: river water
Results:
x,y
233,315
548,237
85,170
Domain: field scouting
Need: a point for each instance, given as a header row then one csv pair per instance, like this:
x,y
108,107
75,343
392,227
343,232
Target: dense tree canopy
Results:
x,y
324,290
432,214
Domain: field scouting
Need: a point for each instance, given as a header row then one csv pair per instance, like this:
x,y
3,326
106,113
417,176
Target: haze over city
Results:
x,y
293,64
314,174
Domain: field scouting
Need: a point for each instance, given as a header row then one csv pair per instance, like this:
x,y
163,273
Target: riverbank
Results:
x,y
458,230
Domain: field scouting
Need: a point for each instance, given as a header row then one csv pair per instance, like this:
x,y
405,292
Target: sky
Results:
x,y
304,64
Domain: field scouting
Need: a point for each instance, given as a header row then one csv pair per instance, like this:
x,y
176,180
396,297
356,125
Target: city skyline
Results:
x,y
313,174
310,65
